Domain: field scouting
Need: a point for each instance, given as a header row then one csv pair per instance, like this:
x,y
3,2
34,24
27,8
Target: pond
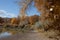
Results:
x,y
5,34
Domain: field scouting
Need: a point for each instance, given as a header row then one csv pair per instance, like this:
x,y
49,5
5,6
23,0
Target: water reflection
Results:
x,y
5,34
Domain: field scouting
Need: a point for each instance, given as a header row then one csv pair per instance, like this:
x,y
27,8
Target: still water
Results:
x,y
5,34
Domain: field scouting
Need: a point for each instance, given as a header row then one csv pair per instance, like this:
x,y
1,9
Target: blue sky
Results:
x,y
8,8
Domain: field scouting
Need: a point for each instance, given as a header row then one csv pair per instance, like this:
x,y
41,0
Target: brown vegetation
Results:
x,y
49,12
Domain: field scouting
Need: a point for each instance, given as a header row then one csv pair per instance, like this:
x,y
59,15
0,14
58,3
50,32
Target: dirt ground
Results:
x,y
30,36
50,35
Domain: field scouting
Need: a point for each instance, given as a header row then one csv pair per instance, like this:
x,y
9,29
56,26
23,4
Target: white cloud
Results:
x,y
4,13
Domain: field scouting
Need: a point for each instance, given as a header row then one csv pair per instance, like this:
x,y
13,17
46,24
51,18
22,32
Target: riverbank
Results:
x,y
50,35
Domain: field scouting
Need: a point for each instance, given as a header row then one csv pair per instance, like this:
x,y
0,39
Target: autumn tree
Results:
x,y
50,12
33,19
1,20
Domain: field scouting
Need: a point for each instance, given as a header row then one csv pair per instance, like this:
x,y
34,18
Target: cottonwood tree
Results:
x,y
50,12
